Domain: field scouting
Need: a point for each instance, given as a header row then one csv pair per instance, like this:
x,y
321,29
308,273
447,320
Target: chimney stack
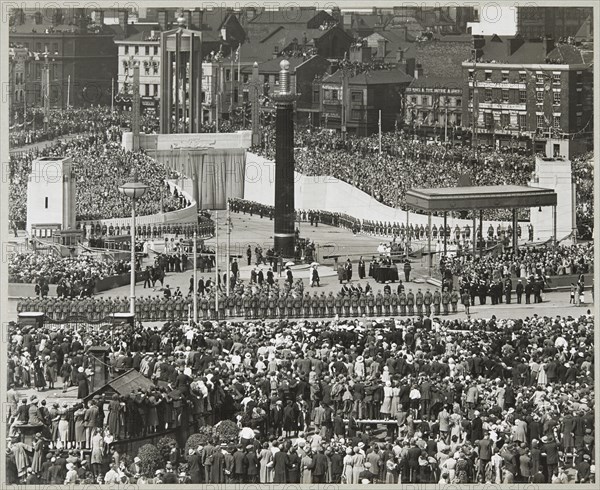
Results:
x,y
197,19
275,52
400,55
163,20
123,21
381,48
418,71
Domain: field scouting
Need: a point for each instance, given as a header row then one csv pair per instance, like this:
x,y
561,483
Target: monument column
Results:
x,y
284,165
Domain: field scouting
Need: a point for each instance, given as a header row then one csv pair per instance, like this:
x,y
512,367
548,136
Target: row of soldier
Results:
x,y
266,302
380,228
204,229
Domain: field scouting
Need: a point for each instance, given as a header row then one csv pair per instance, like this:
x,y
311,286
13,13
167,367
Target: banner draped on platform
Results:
x,y
220,172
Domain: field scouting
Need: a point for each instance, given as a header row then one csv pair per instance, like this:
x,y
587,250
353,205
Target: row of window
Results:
x,y
143,50
426,100
520,77
504,96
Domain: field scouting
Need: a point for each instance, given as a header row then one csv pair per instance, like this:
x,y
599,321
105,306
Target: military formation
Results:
x,y
266,302
380,228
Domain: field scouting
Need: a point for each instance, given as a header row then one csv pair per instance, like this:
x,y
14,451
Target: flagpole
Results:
x,y
217,263
379,133
195,278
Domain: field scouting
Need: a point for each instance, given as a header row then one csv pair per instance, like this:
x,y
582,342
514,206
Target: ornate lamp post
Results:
x,y
134,190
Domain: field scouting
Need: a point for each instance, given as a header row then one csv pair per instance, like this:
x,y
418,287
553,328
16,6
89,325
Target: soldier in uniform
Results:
x,y
362,303
419,302
338,304
508,290
386,303
402,300
263,303
437,299
371,303
330,302
322,304
354,304
179,304
306,305
222,304
410,302
445,301
162,308
394,301
204,307
314,304
289,306
454,300
379,302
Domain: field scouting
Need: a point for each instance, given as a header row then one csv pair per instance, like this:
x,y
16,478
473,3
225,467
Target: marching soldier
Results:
x,y
330,302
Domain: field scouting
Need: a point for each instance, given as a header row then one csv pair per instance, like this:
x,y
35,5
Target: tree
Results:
x,y
150,459
227,430
165,445
199,439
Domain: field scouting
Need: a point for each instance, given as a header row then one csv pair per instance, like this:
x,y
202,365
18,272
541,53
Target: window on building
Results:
x,y
327,94
488,75
55,47
155,50
522,77
471,72
488,119
539,96
155,89
356,114
357,97
522,96
236,76
505,76
136,50
488,94
470,95
46,202
504,120
458,102
458,119
334,95
540,121
523,121
505,96
413,100
38,47
245,77
425,100
227,75
556,121
236,96
539,78
315,97
556,78
556,98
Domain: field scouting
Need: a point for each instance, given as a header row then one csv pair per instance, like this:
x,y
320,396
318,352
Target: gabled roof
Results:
x,y
569,55
376,77
285,36
124,384
394,40
585,31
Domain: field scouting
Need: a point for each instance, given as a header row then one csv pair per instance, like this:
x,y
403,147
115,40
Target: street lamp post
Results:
x,y
134,190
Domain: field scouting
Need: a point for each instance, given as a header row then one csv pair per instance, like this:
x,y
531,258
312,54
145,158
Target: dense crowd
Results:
x,y
583,176
101,165
30,267
70,121
403,164
462,401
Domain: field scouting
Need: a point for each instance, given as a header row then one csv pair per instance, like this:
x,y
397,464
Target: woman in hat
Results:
x,y
265,459
97,443
38,452
114,415
386,406
306,468
38,370
79,416
83,388
348,464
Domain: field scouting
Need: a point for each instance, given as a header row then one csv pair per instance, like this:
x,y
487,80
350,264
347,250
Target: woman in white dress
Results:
x,y
386,406
348,465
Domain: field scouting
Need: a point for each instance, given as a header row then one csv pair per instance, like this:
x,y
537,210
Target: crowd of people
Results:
x,y
459,401
72,120
31,267
583,176
101,165
403,164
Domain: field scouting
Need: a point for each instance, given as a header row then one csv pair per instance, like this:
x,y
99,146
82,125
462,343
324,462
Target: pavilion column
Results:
x,y
165,73
515,237
177,76
429,243
169,89
481,231
407,233
445,234
474,233
554,227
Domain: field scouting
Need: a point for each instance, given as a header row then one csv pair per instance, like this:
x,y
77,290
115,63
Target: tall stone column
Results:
x,y
284,165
